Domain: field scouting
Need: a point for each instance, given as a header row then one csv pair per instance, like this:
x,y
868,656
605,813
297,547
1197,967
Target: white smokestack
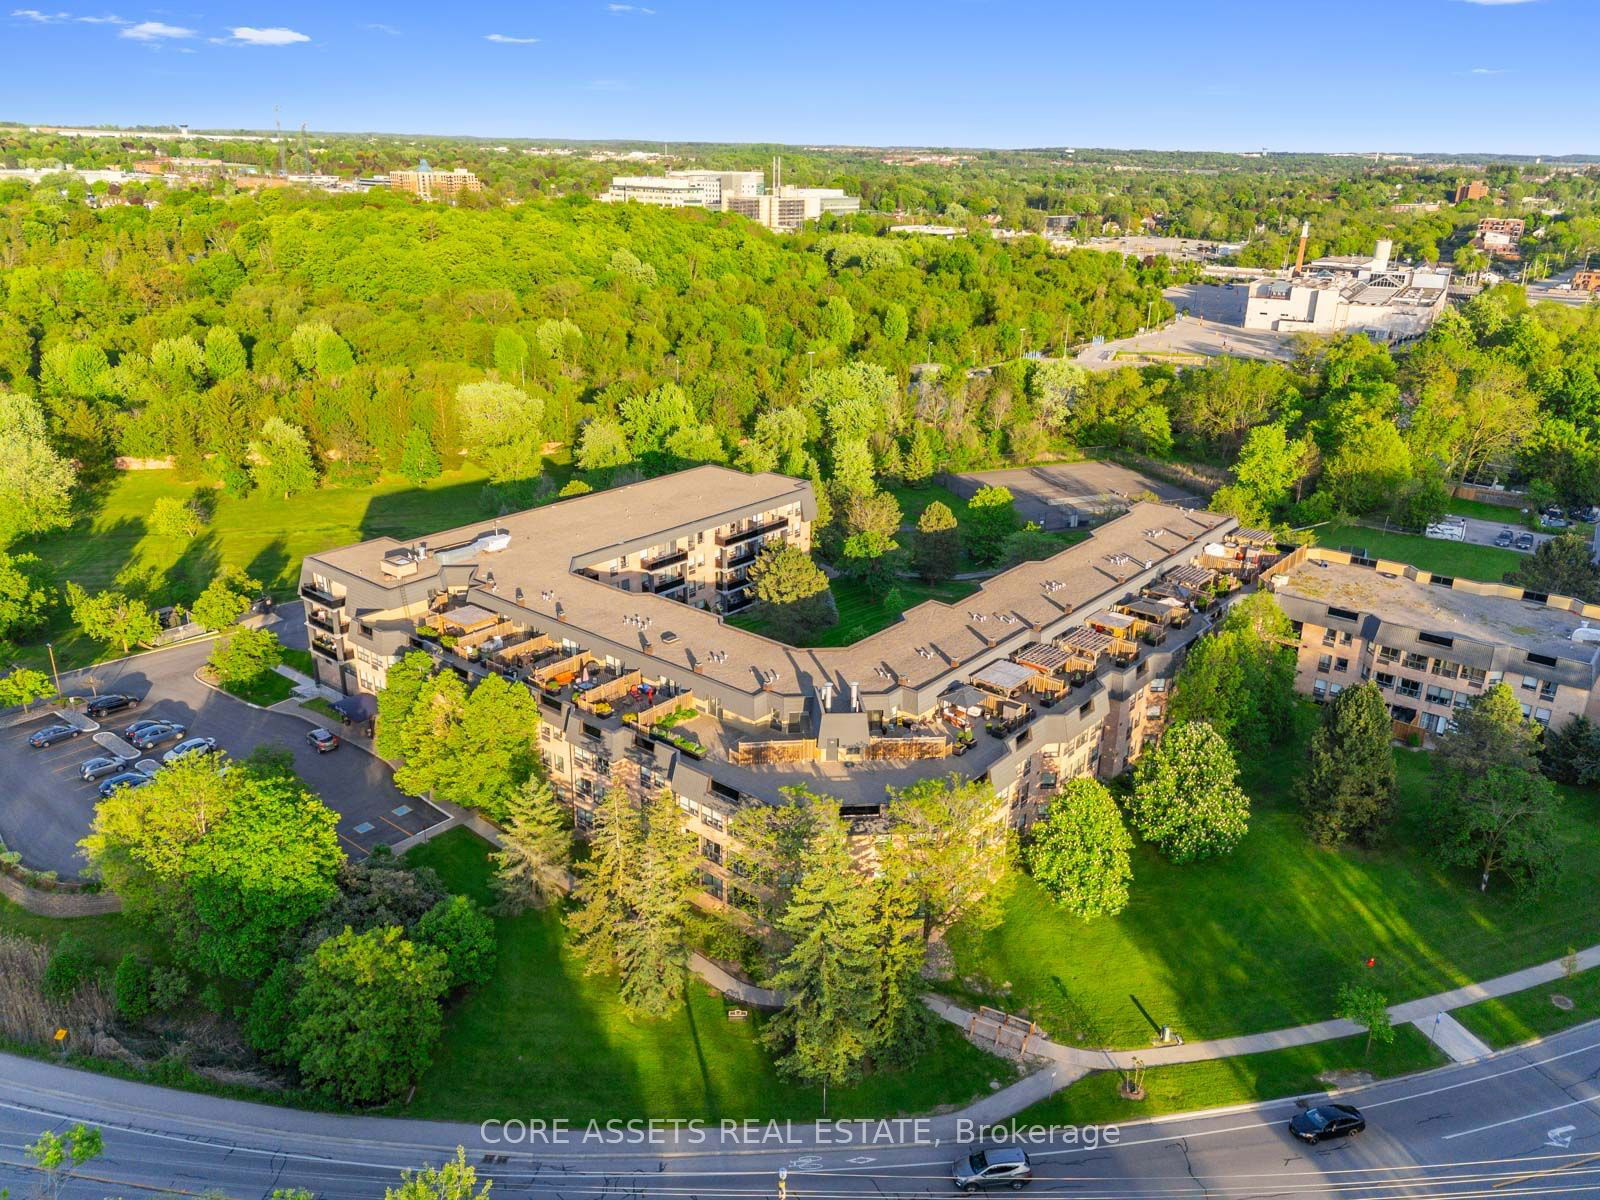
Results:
x,y
1380,259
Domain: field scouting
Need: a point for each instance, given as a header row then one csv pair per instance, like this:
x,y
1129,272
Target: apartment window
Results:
x,y
1445,668
1547,690
1329,637
1527,711
1325,664
1319,690
1344,638
1388,654
1472,677
1340,665
1542,715
1529,683
1415,661
1410,688
1336,689
1385,680
1439,695
1462,699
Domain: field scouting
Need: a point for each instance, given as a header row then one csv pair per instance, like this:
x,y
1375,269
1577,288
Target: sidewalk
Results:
x,y
1423,1013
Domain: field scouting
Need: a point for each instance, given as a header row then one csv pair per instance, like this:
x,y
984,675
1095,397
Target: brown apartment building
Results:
x,y
1432,643
610,608
425,183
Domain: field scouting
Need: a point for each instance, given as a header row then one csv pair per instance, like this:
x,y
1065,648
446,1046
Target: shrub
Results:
x,y
169,987
71,966
130,987
466,935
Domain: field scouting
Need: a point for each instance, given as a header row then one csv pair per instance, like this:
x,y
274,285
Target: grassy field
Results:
x,y
1263,938
1275,1074
1462,559
542,1037
107,937
1523,1016
1486,512
262,534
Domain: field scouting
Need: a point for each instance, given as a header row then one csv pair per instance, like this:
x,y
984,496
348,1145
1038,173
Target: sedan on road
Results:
x,y
199,745
138,727
1327,1121
323,740
1504,538
99,768
51,734
156,735
111,702
1524,541
128,779
999,1167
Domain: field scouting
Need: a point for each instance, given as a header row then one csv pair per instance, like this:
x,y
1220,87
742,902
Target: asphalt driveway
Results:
x,y
45,807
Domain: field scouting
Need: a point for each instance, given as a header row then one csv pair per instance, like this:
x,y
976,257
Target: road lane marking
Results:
x,y
1524,1117
1592,1158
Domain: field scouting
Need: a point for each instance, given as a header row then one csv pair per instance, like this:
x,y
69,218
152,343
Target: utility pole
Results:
x,y
50,646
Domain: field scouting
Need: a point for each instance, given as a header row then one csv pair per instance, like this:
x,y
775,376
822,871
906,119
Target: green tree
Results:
x,y
952,837
1240,679
1560,566
1029,544
1571,753
465,934
824,1031
1080,850
604,445
1370,467
936,549
511,356
1366,1007
502,427
453,1180
113,617
281,462
870,558
1349,786
419,461
36,483
245,656
22,686
402,685
991,519
1185,799
130,986
792,590
58,1156
535,854
178,519
605,887
1489,732
366,1014
225,353
652,948
1502,822
491,750
27,593
900,1022
227,597
767,842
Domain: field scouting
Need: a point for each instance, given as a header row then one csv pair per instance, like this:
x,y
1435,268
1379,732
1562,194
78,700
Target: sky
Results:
x,y
1312,75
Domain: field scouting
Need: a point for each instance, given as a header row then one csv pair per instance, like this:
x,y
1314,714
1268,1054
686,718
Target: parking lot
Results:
x,y
1089,490
46,806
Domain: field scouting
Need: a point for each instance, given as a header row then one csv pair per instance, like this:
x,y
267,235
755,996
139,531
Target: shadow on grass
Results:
x,y
270,567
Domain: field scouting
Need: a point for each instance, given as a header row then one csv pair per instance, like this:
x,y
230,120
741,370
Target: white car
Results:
x,y
197,745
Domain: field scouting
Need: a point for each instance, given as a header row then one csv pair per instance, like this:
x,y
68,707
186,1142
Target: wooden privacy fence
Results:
x,y
646,717
608,692
755,753
568,667
909,747
471,641
1007,1034
518,653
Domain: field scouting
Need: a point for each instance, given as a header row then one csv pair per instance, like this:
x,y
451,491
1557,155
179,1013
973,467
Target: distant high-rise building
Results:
x,y
425,183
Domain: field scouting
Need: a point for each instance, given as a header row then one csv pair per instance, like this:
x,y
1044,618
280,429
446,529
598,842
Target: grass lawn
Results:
x,y
1273,1075
1263,938
108,937
1523,1016
266,689
543,1038
863,611
262,534
1484,511
1488,563
297,660
322,708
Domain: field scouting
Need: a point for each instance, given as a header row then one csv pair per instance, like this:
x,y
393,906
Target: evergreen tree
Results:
x,y
824,1031
652,948
1572,753
535,850
1349,786
1489,732
1185,799
918,463
900,1024
605,886
936,550
792,591
1079,852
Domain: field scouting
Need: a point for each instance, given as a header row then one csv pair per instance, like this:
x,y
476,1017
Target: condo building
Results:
x,y
610,608
425,183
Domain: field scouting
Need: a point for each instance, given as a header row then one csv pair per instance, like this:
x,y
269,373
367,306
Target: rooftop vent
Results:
x,y
400,564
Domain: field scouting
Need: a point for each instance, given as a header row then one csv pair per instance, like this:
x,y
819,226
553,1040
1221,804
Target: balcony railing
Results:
x,y
323,620
754,531
311,591
329,650
744,554
662,561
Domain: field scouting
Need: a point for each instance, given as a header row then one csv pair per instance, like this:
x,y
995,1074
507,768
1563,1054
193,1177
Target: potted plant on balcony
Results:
x,y
427,633
963,742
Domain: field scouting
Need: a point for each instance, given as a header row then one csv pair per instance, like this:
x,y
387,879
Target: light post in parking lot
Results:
x,y
50,646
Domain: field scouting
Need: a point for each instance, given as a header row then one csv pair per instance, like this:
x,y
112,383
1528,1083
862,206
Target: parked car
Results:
x,y
51,734
198,745
97,768
128,779
138,727
1524,541
1002,1166
155,735
1555,522
111,702
1504,538
323,740
1327,1121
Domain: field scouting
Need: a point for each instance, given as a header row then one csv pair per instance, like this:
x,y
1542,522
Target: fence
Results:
x,y
756,753
608,692
1007,1034
647,717
568,667
908,747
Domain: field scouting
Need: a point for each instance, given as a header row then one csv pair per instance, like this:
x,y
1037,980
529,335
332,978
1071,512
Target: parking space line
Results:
x,y
356,844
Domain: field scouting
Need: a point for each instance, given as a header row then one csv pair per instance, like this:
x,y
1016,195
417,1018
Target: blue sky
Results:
x,y
1429,75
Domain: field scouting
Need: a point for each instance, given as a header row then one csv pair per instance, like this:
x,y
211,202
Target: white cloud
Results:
x,y
155,31
380,27
103,20
276,36
1487,71
43,18
507,40
631,8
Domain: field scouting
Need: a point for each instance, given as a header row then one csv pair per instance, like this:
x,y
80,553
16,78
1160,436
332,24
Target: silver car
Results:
x,y
1001,1166
98,768
195,745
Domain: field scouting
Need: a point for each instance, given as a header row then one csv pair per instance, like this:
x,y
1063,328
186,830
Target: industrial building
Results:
x,y
783,207
1388,301
609,608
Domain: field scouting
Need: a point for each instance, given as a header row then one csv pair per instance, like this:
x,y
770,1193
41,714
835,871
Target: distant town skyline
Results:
x,y
1426,76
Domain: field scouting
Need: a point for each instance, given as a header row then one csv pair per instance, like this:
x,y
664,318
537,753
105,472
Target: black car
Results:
x,y
138,727
323,740
155,735
128,779
1327,1121
51,734
1504,538
1524,541
109,703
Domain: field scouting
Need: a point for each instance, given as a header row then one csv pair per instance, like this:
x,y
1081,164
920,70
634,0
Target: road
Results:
x,y
1522,1123
46,807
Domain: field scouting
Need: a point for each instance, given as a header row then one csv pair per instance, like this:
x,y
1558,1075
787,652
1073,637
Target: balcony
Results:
x,y
324,620
329,649
662,561
743,555
316,595
662,587
742,536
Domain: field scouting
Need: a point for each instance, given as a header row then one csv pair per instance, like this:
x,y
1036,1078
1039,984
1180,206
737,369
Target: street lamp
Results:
x,y
50,646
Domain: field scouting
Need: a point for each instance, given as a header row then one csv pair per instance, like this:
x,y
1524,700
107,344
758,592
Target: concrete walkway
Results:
x,y
1424,1013
1454,1038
